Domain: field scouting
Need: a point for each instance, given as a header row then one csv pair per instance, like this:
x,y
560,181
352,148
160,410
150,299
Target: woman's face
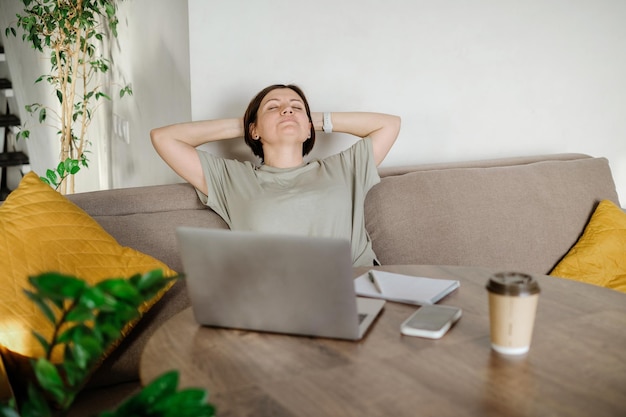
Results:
x,y
282,117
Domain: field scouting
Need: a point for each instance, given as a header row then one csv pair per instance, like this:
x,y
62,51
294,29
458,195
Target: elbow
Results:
x,y
159,139
392,125
397,123
156,137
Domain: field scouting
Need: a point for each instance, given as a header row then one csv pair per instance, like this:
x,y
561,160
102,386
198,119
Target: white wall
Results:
x,y
471,79
152,54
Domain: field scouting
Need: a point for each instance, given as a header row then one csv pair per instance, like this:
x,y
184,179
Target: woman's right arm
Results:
x,y
177,143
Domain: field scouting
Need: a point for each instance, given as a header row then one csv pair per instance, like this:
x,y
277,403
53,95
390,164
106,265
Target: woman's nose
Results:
x,y
287,110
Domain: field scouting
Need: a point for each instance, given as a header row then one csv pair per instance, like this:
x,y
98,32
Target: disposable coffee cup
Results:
x,y
513,298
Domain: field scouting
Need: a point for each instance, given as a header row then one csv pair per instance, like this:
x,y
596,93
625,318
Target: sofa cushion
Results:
x,y
519,216
41,231
599,256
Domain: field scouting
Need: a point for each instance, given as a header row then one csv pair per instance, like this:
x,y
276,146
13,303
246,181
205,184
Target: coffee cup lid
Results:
x,y
512,283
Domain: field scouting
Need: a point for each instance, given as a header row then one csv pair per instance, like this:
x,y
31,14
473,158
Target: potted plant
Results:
x,y
87,320
69,32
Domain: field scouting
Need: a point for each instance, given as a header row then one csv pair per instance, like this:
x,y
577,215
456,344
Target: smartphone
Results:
x,y
431,321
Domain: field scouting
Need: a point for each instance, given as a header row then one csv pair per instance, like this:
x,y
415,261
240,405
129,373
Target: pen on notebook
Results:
x,y
374,281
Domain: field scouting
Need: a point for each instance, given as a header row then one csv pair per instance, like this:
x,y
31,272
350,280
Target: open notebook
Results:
x,y
403,288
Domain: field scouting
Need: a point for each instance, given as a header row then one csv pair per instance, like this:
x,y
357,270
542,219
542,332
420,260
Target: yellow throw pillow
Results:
x,y
599,256
42,231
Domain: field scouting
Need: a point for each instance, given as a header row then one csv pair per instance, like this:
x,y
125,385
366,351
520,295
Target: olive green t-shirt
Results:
x,y
321,198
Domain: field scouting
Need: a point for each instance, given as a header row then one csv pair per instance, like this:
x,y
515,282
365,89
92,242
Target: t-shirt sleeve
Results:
x,y
369,166
215,173
359,158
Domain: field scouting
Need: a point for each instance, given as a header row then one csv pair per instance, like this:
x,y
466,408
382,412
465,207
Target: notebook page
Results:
x,y
404,288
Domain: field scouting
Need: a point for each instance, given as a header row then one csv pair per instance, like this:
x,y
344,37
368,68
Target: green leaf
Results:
x,y
60,96
23,134
41,304
71,165
108,331
83,346
117,318
42,115
162,386
192,397
110,10
58,286
120,289
94,298
160,399
80,314
85,352
51,176
149,280
61,169
126,90
49,378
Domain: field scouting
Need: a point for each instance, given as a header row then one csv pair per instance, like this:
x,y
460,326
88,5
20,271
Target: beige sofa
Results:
x,y
515,214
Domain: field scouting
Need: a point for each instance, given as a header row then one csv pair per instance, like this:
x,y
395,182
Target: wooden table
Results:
x,y
576,365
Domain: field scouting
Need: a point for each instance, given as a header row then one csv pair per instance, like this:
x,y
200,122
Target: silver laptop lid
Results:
x,y
269,282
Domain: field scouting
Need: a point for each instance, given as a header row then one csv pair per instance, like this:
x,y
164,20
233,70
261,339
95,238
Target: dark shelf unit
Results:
x,y
8,158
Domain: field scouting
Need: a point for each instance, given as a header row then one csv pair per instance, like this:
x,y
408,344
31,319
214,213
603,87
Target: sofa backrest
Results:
x,y
516,213
145,218
513,213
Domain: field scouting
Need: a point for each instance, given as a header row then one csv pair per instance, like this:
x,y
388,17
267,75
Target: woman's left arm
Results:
x,y
382,128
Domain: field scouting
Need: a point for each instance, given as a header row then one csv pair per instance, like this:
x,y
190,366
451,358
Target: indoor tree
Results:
x,y
70,33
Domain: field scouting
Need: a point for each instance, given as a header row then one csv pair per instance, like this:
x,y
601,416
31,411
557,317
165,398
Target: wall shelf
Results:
x,y
8,158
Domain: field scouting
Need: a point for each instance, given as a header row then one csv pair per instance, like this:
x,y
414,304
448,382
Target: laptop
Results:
x,y
277,283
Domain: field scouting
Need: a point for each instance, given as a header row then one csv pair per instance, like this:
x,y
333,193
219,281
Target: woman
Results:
x,y
284,194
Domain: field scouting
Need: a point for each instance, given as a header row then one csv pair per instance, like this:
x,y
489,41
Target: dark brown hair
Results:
x,y
251,114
